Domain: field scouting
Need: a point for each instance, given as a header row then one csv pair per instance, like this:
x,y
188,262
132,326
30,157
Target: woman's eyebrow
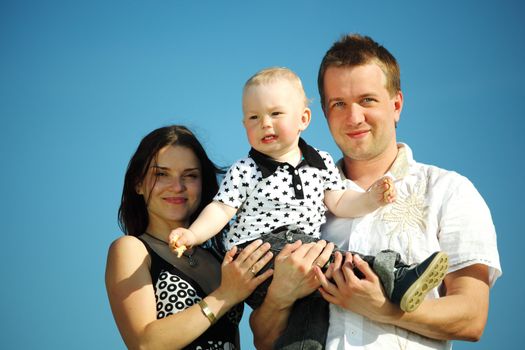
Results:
x,y
159,167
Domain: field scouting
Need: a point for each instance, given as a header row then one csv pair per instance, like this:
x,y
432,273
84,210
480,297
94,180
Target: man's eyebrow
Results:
x,y
359,97
335,99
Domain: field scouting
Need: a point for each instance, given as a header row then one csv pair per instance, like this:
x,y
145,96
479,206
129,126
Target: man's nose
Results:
x,y
355,114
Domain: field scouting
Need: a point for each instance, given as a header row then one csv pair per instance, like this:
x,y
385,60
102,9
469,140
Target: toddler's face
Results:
x,y
274,116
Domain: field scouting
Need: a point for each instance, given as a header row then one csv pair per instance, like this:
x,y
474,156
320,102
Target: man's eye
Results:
x,y
338,104
368,100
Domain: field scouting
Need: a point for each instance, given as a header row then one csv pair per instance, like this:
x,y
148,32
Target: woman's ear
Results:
x,y
139,189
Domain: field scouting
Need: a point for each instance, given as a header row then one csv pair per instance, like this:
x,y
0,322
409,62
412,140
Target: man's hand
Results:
x,y
293,277
340,286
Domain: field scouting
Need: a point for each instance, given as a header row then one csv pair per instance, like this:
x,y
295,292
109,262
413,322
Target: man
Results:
x,y
436,209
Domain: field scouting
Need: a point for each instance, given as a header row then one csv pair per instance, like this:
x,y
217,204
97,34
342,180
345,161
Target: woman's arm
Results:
x,y
132,299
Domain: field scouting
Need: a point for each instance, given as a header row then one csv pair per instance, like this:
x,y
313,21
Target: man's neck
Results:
x,y
365,172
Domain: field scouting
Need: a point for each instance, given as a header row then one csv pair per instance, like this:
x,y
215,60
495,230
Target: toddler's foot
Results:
x,y
413,282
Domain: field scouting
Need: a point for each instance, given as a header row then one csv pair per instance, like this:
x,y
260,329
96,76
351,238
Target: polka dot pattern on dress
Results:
x,y
173,294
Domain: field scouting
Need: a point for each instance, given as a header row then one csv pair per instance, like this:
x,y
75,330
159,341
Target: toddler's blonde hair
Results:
x,y
273,74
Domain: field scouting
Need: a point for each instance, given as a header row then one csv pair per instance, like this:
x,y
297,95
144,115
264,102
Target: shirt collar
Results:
x,y
268,166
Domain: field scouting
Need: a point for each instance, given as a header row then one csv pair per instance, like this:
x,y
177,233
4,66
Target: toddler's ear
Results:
x,y
305,118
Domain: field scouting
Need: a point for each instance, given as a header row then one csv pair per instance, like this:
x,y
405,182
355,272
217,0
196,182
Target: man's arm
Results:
x,y
460,314
293,279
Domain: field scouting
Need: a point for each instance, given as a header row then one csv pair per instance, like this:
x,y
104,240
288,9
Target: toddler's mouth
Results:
x,y
269,138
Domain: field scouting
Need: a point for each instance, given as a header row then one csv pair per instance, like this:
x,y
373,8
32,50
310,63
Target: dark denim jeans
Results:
x,y
308,322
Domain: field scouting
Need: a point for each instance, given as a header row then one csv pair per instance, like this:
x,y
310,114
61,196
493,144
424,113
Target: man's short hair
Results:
x,y
357,50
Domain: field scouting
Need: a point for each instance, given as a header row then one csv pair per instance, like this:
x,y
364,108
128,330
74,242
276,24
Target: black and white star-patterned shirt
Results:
x,y
268,194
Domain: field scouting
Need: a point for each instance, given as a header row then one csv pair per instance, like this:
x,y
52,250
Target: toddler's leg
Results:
x,y
307,325
278,238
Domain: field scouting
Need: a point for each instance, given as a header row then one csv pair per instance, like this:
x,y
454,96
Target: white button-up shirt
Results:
x,y
435,210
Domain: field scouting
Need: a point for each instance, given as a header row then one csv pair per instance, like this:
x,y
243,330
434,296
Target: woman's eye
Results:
x,y
160,173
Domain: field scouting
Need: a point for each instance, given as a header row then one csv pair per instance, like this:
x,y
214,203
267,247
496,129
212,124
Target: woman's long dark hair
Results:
x,y
133,214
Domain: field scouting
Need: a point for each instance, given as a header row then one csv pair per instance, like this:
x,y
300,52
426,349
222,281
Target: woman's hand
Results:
x,y
239,278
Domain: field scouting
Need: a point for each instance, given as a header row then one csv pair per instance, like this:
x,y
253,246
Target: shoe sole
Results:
x,y
431,278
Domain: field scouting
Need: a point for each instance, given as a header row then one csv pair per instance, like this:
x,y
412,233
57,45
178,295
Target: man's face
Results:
x,y
361,113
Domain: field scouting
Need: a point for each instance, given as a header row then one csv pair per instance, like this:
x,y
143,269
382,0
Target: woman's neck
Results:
x,y
162,229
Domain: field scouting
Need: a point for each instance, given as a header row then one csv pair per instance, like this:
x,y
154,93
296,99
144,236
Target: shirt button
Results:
x,y
298,187
296,172
286,167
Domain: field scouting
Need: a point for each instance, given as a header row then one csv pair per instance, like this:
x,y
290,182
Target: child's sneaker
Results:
x,y
413,282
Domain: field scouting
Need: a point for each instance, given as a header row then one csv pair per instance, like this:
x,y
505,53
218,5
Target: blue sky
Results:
x,y
82,82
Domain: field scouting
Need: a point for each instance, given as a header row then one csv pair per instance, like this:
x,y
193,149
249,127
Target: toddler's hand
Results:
x,y
383,191
180,239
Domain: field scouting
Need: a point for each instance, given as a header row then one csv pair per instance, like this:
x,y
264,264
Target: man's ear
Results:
x,y
398,105
305,119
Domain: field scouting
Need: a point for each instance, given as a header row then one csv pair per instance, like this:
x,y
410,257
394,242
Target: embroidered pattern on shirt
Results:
x,y
407,214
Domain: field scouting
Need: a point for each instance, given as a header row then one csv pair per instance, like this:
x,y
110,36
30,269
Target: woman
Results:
x,y
168,181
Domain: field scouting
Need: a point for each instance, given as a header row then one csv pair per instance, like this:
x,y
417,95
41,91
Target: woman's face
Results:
x,y
172,188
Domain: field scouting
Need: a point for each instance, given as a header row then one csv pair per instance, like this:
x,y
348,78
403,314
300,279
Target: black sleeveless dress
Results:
x,y
176,291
